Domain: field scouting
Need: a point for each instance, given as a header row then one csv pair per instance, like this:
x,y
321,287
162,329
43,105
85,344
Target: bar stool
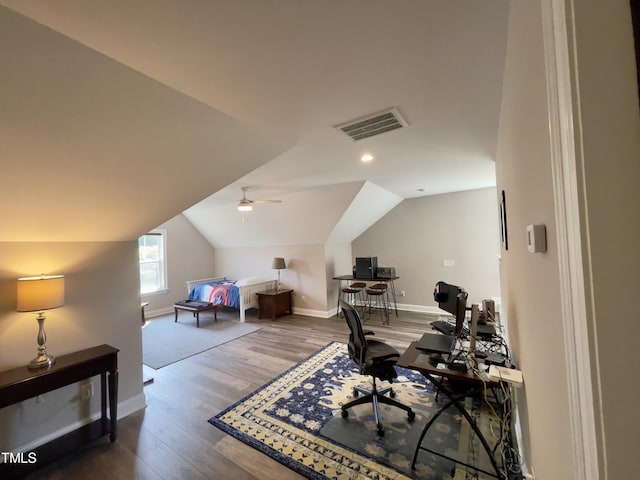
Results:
x,y
360,296
351,294
376,297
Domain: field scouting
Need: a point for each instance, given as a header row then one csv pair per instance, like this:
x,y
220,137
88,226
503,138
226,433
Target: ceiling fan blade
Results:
x,y
246,203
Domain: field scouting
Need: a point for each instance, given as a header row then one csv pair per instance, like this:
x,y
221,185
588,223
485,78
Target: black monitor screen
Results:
x,y
452,299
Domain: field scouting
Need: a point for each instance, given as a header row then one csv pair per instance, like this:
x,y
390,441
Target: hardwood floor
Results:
x,y
171,438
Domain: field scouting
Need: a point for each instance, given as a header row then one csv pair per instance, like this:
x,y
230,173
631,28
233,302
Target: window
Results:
x,y
153,264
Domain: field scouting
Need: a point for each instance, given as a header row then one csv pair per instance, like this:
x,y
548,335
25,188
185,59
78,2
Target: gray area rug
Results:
x,y
165,342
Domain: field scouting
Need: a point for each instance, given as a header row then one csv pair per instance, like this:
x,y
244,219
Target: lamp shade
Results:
x,y
36,294
278,264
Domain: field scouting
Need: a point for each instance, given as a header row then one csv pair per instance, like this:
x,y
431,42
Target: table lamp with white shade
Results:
x,y
37,294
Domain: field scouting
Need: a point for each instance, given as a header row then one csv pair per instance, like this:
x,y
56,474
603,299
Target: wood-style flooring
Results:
x,y
171,438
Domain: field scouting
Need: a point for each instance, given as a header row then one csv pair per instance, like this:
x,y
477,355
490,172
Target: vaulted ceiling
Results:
x,y
118,115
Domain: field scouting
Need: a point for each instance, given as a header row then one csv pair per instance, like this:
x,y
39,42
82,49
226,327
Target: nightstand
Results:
x,y
273,302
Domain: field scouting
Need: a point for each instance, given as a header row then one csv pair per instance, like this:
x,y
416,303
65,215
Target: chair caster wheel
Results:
x,y
411,415
392,394
356,393
344,414
380,431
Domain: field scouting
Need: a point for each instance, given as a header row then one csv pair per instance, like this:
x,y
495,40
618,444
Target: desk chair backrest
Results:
x,y
357,339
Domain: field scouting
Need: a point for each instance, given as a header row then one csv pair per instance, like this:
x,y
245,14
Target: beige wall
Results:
x,y
102,305
338,261
530,282
608,166
189,257
309,268
305,271
419,234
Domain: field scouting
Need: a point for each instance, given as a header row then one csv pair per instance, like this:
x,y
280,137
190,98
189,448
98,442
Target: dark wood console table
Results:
x,y
274,302
21,383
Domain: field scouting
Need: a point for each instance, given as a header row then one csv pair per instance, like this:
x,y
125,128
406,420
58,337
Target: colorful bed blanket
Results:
x,y
222,292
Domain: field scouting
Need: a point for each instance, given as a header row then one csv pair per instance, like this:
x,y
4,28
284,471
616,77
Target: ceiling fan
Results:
x,y
246,205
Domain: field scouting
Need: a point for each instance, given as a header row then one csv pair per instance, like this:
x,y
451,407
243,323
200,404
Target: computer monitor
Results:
x,y
452,299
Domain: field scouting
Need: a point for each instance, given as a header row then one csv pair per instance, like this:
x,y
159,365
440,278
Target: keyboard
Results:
x,y
448,328
444,327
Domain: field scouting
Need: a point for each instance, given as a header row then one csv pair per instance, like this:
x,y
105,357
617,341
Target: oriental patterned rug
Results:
x,y
296,420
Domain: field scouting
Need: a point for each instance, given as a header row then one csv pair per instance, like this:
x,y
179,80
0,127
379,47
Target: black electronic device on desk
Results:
x,y
436,343
385,272
366,267
444,326
452,299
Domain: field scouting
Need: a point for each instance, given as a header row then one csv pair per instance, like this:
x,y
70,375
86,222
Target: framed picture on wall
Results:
x,y
503,221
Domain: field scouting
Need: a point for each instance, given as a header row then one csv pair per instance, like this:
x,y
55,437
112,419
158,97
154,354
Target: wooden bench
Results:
x,y
195,307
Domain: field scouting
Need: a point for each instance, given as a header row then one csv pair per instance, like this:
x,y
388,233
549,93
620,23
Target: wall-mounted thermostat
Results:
x,y
536,238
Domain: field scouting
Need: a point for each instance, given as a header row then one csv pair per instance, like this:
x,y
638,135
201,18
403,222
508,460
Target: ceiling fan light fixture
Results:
x,y
245,207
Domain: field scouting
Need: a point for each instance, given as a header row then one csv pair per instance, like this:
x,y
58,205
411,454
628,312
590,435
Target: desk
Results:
x,y
418,360
21,384
351,278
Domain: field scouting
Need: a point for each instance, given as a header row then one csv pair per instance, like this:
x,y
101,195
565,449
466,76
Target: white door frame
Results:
x,y
566,141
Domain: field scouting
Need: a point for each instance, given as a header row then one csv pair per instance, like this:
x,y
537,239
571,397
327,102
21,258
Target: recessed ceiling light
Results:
x,y
367,157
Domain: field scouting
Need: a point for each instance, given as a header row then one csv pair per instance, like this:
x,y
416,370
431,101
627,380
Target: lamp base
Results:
x,y
41,361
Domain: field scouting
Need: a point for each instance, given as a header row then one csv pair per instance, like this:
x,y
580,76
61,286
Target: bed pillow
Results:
x,y
249,281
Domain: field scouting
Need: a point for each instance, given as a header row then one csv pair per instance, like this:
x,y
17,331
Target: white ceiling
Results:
x,y
174,101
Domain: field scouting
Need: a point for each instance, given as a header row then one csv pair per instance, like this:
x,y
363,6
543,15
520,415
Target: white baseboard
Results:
x,y
125,408
311,313
158,313
420,308
131,405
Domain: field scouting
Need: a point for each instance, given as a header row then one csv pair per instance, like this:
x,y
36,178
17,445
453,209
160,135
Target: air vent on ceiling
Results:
x,y
373,124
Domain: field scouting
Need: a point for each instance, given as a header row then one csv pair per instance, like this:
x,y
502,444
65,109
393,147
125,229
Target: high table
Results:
x,y
419,360
352,278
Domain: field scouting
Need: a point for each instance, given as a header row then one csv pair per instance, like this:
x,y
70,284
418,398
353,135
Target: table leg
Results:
x,y
113,404
103,403
393,294
454,400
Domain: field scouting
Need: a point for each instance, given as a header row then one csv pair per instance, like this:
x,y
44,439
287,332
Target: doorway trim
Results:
x,y
566,160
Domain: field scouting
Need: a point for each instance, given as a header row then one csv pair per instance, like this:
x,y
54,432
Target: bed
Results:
x,y
240,294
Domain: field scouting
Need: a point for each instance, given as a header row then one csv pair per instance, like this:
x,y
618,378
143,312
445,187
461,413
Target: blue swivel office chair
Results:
x,y
373,358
